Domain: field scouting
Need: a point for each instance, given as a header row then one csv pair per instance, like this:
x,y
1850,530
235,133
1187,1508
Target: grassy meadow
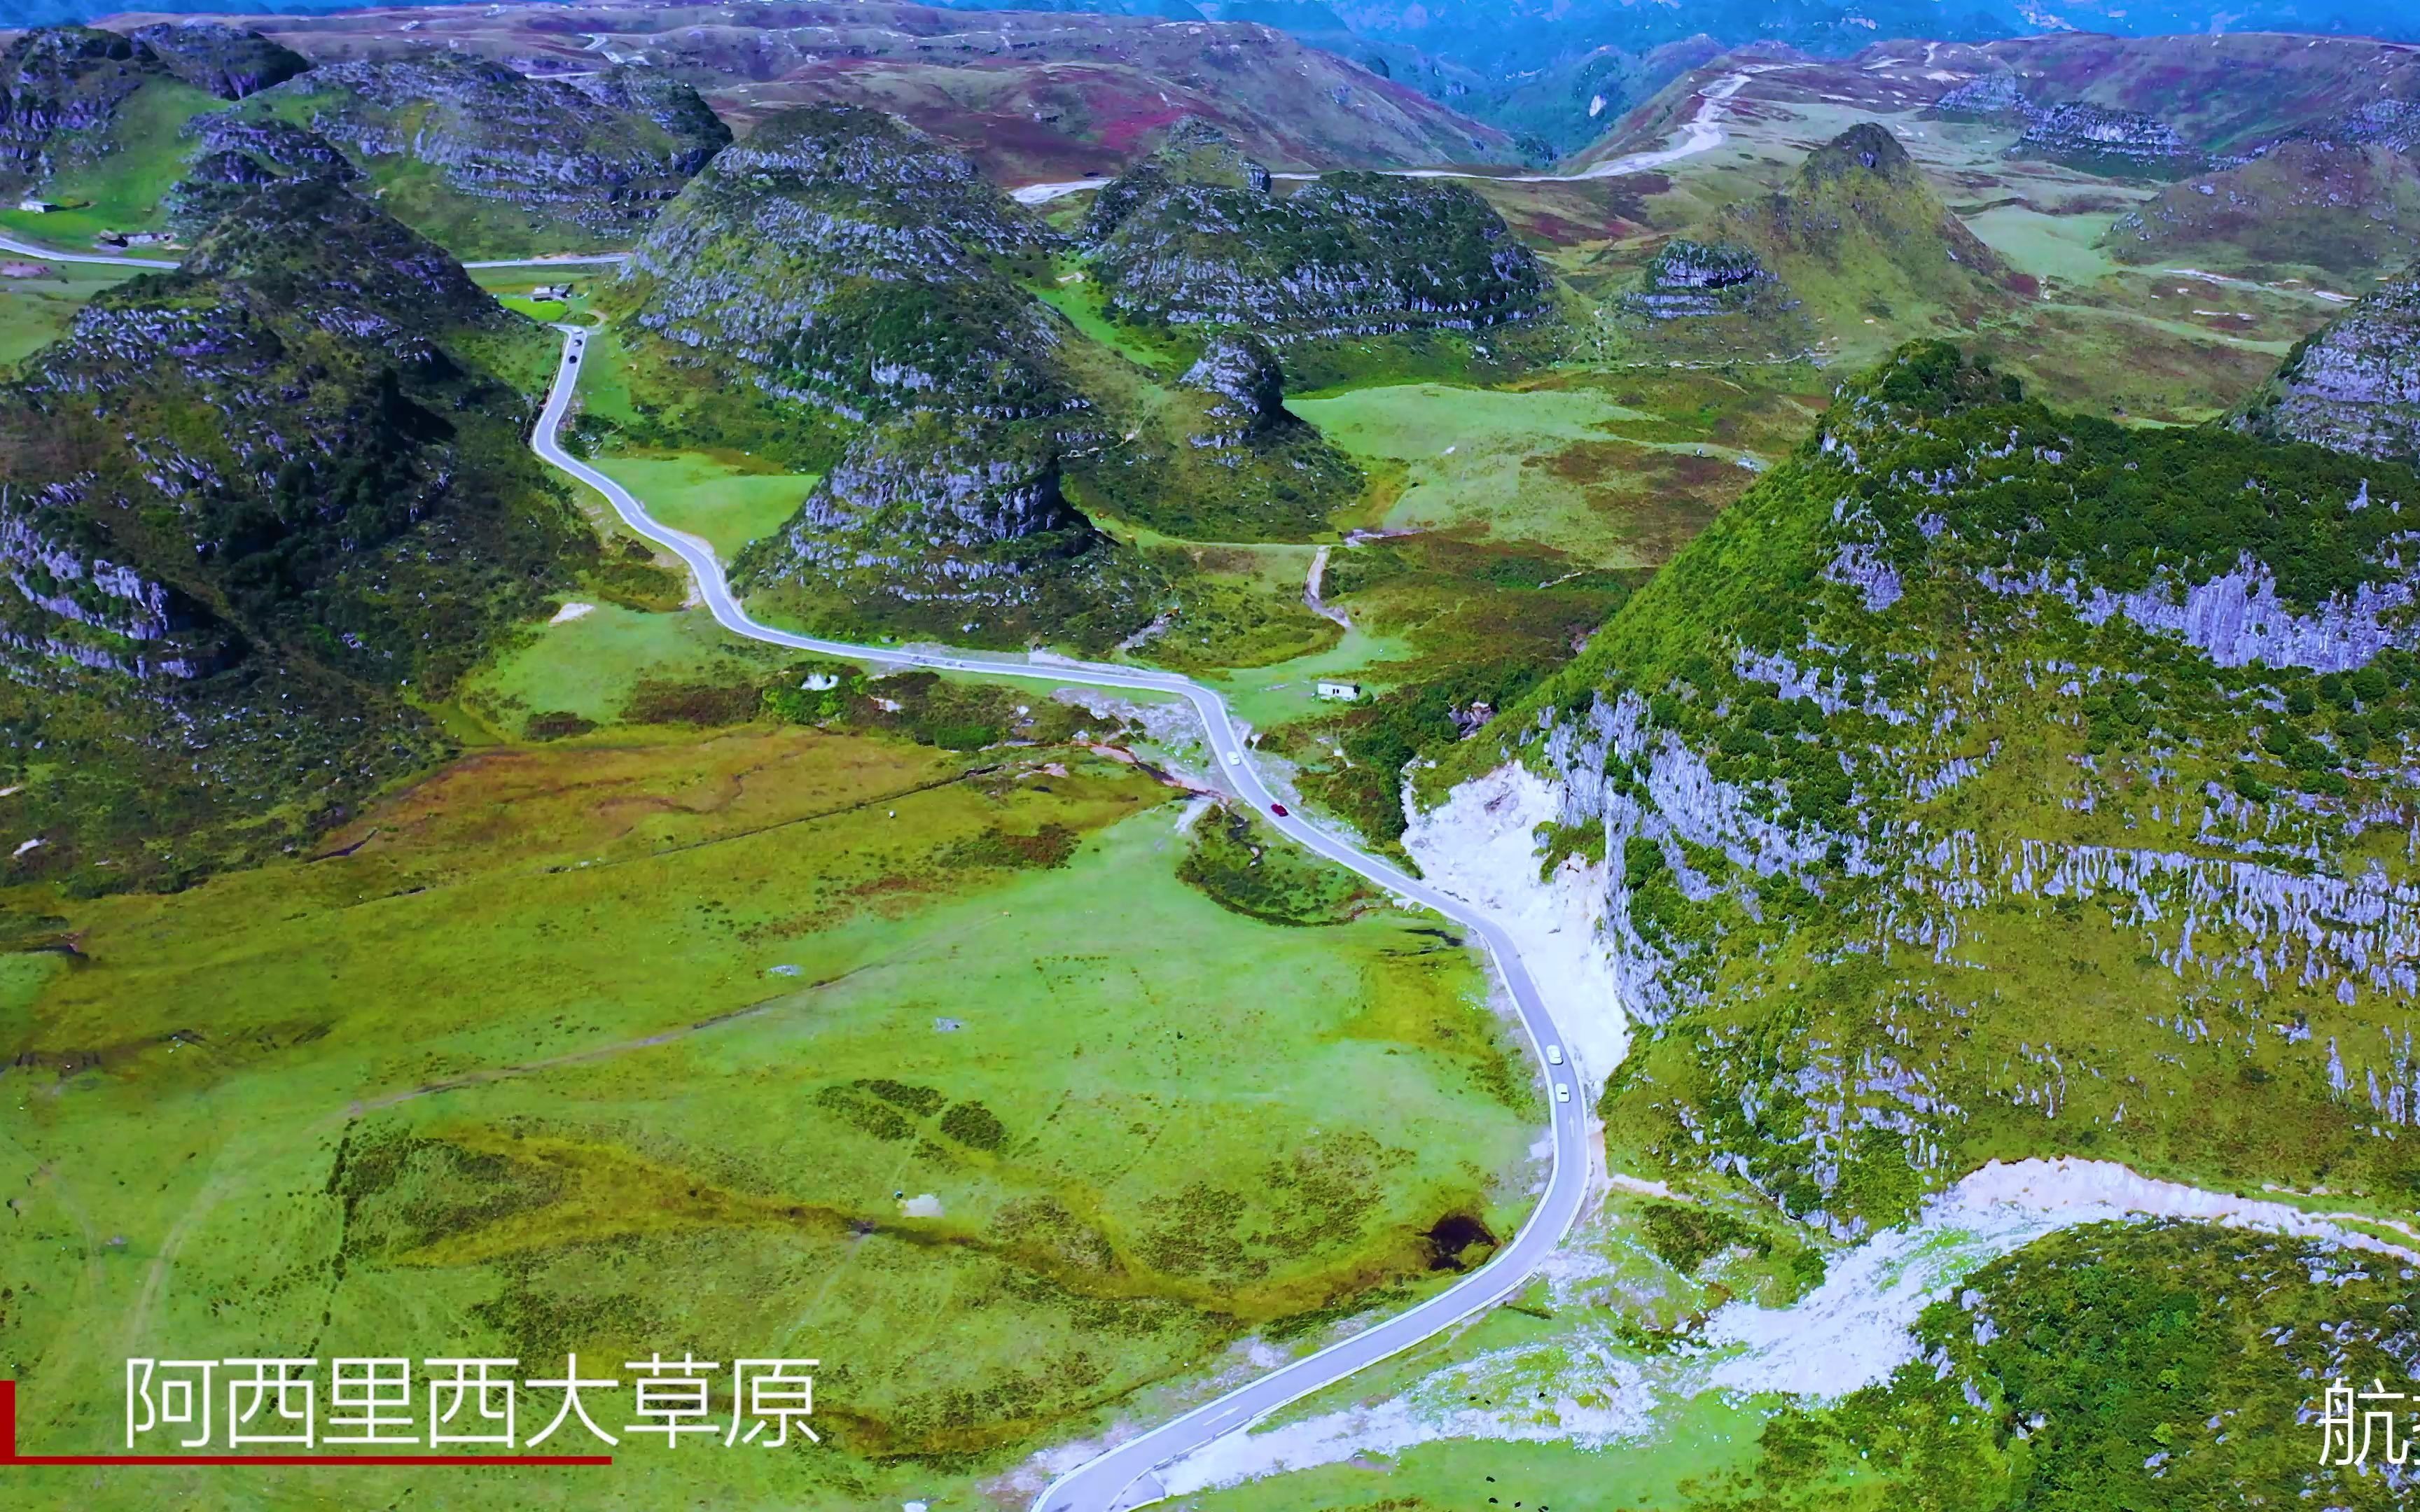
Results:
x,y
35,312
759,1042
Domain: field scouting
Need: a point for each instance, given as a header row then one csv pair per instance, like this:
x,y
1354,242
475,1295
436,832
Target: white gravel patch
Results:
x,y
1480,845
571,611
1850,1332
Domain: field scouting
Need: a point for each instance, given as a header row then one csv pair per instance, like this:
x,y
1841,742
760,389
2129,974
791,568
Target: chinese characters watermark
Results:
x,y
375,1401
2357,1426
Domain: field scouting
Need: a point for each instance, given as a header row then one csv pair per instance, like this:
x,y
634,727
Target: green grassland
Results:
x,y
118,182
1546,466
613,1045
2090,335
1072,291
726,499
35,312
589,667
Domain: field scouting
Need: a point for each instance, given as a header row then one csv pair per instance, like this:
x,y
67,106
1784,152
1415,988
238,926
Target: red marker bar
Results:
x,y
9,1455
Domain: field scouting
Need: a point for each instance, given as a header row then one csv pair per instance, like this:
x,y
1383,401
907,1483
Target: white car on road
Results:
x,y
1562,1091
1554,1055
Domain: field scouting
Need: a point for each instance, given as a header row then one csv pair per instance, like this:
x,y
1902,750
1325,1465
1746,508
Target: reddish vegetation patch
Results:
x,y
1653,501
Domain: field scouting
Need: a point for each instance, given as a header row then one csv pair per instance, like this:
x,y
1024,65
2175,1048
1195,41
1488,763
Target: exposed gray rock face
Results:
x,y
2394,123
930,516
1193,152
2086,135
845,261
603,153
1242,370
235,154
81,607
59,81
1192,235
2095,136
2237,618
2355,385
932,488
1994,97
227,61
1696,278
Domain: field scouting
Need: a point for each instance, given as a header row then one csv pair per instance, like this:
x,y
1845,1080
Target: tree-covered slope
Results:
x,y
1992,782
255,508
490,162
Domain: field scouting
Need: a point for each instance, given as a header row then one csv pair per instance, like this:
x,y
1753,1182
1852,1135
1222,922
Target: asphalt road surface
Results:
x,y
1121,1476
8,243
27,249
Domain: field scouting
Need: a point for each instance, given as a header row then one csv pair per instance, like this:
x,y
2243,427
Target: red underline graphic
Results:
x,y
9,1455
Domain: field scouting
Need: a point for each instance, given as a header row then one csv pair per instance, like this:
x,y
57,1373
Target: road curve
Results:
x,y
1110,1480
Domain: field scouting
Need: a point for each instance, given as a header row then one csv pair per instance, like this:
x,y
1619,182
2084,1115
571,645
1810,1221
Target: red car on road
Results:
x,y
1279,810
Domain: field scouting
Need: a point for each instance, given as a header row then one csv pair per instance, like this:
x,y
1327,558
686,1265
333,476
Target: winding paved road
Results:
x,y
28,249
1121,1476
9,243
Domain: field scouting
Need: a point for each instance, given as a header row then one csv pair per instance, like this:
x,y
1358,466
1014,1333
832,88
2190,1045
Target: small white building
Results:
x,y
1339,692
31,206
551,291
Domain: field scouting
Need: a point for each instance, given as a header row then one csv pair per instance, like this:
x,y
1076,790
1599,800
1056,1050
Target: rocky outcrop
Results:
x,y
245,502
227,61
2355,384
1193,236
1969,692
601,155
1692,278
1243,371
2093,138
2106,141
845,261
58,83
84,608
1993,99
934,522
234,154
2388,123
